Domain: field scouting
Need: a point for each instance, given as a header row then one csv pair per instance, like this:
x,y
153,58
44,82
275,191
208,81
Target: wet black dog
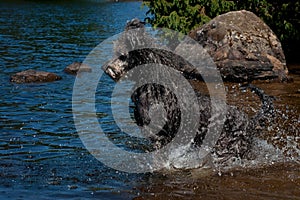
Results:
x,y
238,131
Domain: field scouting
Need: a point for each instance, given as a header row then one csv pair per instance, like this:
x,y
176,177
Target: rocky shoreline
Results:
x,y
242,46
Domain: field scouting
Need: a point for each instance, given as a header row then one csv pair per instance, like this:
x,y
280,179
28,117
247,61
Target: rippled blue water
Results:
x,y
41,155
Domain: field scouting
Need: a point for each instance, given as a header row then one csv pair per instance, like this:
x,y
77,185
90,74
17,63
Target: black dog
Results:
x,y
238,132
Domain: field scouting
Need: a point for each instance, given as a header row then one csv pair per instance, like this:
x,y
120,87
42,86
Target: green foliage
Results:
x,y
282,16
184,15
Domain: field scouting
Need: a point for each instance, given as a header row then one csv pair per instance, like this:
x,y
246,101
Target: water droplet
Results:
x,y
219,173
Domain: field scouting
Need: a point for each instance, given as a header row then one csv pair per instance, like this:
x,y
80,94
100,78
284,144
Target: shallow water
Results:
x,y
279,181
41,155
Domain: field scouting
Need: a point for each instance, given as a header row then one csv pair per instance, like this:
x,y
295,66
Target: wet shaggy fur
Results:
x,y
236,138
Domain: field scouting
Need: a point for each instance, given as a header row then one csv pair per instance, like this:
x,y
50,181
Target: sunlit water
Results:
x,y
41,155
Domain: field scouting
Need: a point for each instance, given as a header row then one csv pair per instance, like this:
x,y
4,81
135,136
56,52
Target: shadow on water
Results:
x,y
41,155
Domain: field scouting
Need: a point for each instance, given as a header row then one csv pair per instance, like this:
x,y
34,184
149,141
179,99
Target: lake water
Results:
x,y
41,155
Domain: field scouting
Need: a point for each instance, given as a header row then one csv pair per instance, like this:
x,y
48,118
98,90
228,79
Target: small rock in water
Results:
x,y
54,182
33,76
76,67
72,187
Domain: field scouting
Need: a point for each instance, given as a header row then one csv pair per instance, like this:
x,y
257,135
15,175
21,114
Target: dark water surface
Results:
x,y
41,155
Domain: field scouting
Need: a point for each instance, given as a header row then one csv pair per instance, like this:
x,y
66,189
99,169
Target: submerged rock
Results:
x,y
243,47
33,76
76,67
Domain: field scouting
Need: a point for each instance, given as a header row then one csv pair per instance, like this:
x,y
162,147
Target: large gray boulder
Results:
x,y
243,47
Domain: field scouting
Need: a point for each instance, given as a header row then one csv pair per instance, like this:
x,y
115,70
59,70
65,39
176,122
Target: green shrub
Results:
x,y
184,15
